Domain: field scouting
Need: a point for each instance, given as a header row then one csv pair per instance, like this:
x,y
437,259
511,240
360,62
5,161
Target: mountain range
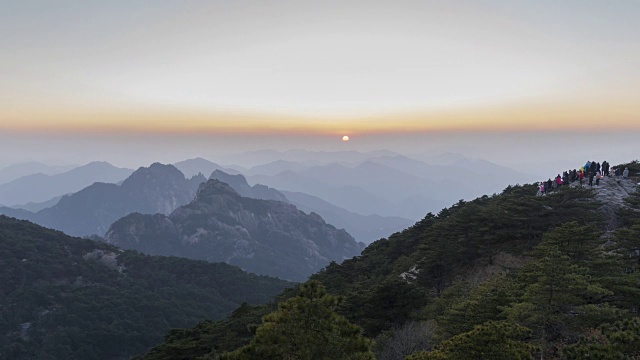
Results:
x,y
154,189
40,187
512,275
363,228
261,236
365,187
15,171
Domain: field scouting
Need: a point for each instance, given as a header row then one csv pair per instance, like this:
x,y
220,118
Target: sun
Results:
x,y
345,138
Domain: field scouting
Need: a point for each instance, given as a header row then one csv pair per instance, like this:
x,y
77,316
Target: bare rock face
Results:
x,y
262,236
612,191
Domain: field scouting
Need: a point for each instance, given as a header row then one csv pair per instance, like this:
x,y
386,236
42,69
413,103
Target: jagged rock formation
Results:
x,y
240,185
156,189
261,236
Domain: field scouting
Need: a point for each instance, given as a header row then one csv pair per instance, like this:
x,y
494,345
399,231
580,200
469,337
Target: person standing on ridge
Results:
x,y
558,180
581,176
625,173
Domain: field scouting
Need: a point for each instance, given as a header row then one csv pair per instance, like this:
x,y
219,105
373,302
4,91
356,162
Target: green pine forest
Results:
x,y
508,276
64,298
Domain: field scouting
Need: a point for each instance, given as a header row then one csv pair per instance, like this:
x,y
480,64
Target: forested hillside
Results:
x,y
71,298
514,275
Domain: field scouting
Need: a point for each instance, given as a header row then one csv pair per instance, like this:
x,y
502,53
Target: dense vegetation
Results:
x,y
71,298
509,276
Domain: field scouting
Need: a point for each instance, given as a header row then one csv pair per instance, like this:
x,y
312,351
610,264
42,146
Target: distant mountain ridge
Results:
x,y
363,186
37,206
155,189
193,167
40,187
15,171
260,236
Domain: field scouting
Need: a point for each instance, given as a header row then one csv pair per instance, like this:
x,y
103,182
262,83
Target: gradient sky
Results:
x,y
298,68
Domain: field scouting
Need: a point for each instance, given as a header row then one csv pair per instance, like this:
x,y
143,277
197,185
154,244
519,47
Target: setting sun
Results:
x,y
345,138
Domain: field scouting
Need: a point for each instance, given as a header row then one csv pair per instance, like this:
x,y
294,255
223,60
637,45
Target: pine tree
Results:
x,y
306,327
557,298
496,340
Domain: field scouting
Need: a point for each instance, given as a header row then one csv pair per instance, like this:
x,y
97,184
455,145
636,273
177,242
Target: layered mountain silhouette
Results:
x,y
192,167
261,236
40,187
15,171
239,183
155,189
363,228
363,187
37,206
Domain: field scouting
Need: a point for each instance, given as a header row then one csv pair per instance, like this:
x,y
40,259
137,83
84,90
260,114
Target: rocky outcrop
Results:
x,y
261,236
612,192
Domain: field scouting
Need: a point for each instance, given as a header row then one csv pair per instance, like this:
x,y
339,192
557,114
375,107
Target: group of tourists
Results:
x,y
588,173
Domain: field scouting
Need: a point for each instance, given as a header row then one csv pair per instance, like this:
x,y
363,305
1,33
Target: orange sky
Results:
x,y
306,67
579,116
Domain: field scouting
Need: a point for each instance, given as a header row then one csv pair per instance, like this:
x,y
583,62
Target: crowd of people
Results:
x,y
587,173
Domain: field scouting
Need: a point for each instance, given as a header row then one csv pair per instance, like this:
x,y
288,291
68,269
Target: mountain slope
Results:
x,y
156,189
261,236
35,207
363,228
41,187
484,260
71,298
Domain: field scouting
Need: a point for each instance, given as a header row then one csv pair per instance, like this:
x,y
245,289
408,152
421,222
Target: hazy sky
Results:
x,y
298,73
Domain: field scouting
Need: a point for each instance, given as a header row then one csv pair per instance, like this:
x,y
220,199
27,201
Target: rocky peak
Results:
x,y
235,181
213,188
157,172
